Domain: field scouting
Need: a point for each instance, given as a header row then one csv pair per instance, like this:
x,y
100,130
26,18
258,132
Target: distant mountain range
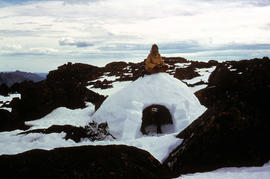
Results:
x,y
9,78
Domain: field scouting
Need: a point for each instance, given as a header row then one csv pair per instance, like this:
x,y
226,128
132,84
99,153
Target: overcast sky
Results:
x,y
40,35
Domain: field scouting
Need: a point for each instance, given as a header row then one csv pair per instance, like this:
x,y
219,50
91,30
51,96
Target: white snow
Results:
x,y
123,110
182,65
9,98
106,77
64,116
109,91
11,143
233,173
197,88
204,72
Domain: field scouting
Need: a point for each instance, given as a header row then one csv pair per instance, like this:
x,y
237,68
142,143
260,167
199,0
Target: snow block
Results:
x,y
123,110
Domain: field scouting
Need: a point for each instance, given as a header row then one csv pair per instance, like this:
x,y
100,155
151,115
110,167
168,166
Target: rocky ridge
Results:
x,y
233,130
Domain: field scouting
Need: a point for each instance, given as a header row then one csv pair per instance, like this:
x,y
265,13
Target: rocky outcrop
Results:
x,y
8,122
4,90
234,129
92,132
112,161
74,73
64,87
185,73
190,72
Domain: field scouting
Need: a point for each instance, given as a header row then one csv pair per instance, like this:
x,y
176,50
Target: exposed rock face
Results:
x,y
156,115
4,89
233,130
39,99
8,122
115,161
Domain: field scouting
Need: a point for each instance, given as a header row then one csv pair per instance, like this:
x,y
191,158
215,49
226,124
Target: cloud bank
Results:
x,y
125,29
71,42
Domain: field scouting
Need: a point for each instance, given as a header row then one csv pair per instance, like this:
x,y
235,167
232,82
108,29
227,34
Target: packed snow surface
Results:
x,y
233,173
109,91
123,110
64,116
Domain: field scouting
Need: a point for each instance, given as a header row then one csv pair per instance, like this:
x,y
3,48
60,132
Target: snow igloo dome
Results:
x,y
123,110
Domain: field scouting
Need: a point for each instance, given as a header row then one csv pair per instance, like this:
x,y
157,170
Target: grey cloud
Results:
x,y
18,33
80,1
245,47
37,32
124,47
183,47
23,23
259,3
28,54
71,42
193,47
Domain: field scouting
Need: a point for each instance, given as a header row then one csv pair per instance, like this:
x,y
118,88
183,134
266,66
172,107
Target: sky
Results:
x,y
39,35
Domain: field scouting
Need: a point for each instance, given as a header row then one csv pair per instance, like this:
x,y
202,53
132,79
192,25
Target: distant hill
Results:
x,y
9,78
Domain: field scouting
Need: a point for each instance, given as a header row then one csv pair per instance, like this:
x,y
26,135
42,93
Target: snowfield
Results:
x,y
233,173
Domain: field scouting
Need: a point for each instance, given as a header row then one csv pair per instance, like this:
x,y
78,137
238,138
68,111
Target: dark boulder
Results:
x,y
173,60
155,115
198,64
112,161
4,89
74,73
185,73
234,129
8,122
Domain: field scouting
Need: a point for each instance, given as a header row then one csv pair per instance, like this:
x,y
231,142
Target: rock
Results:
x,y
4,90
155,115
92,131
64,87
185,73
209,64
112,161
8,122
232,132
173,60
74,73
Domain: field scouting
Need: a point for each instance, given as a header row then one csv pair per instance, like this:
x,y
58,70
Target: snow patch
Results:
x,y
64,116
233,173
109,91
